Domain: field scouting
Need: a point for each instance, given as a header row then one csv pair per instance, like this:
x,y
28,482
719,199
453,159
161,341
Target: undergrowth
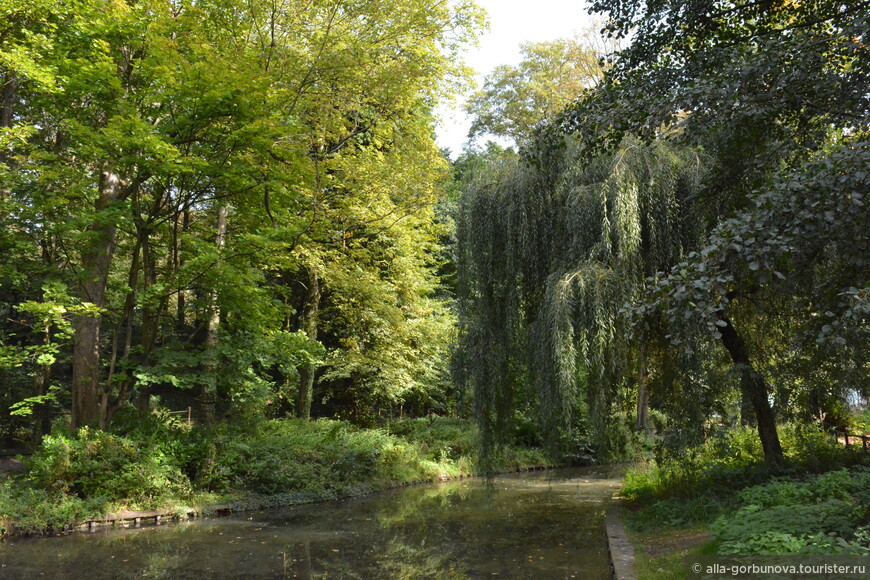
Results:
x,y
821,514
160,462
818,504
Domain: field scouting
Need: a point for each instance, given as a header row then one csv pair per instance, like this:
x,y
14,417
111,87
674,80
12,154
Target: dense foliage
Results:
x,y
515,100
549,254
233,211
819,507
222,205
825,514
165,463
722,275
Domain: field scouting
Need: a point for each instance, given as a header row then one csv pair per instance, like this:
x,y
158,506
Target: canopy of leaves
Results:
x,y
775,93
515,100
306,125
773,97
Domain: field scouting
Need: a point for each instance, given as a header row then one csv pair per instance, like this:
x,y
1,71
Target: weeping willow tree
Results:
x,y
551,248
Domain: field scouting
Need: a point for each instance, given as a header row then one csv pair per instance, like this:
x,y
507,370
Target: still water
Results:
x,y
541,525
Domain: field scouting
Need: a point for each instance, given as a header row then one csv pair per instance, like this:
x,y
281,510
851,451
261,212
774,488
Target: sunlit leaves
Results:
x,y
307,123
515,100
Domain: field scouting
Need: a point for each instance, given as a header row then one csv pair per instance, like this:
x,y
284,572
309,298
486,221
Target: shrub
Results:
x,y
749,521
101,464
808,448
780,492
317,456
731,460
439,438
26,510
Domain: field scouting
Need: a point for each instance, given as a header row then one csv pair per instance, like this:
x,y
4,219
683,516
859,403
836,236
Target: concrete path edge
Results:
x,y
621,550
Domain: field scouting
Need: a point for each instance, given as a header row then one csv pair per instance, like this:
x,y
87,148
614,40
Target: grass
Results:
x,y
665,555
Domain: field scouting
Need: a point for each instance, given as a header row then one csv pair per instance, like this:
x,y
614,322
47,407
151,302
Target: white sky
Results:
x,y
512,22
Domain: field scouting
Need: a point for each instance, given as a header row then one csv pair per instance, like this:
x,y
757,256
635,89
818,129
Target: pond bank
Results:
x,y
620,548
138,518
164,467
546,524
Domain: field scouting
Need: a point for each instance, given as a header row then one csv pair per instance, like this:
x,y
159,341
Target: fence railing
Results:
x,y
855,438
187,412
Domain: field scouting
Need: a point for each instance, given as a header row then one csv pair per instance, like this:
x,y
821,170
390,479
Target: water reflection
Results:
x,y
545,525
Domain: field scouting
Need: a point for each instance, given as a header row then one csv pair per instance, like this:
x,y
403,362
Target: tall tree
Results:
x,y
551,249
515,100
767,88
304,127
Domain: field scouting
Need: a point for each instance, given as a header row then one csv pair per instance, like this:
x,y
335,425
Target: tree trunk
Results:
x,y
180,309
96,259
150,313
208,394
309,326
41,383
754,389
125,325
642,423
8,92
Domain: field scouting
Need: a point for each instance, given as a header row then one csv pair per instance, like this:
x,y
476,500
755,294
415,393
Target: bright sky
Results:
x,y
512,22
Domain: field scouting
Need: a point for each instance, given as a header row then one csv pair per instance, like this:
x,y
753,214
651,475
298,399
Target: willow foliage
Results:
x,y
548,256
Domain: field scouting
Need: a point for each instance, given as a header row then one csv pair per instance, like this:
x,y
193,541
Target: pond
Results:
x,y
545,524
